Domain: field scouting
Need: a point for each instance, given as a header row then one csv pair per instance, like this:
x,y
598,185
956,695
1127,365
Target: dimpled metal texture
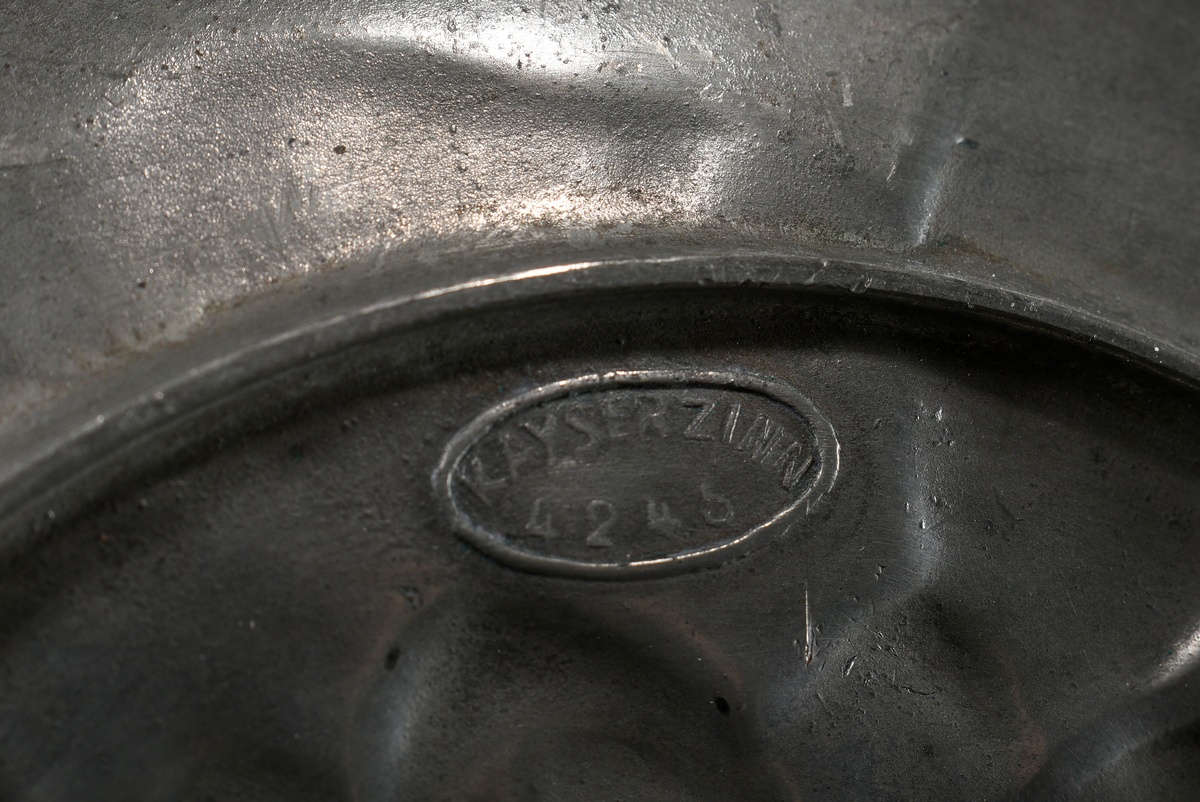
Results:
x,y
599,400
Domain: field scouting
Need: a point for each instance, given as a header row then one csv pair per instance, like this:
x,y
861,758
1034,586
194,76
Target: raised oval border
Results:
x,y
499,547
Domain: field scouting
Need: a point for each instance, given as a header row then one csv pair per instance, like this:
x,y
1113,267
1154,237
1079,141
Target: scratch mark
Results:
x,y
1067,590
931,200
808,639
837,132
1004,507
30,165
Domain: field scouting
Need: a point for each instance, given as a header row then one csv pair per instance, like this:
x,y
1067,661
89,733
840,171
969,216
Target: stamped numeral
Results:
x,y
717,508
602,515
541,521
658,518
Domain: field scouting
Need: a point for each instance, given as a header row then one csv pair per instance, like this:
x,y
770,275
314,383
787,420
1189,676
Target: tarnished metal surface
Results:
x,y
162,164
278,280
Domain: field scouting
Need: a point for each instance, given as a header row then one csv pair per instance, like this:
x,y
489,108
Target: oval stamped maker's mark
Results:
x,y
635,473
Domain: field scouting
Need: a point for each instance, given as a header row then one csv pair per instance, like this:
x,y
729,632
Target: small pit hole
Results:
x,y
722,705
393,657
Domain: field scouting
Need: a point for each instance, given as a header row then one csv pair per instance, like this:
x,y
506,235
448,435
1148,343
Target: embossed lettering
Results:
x,y
780,436
636,473
793,467
477,481
731,419
705,409
618,413
517,452
656,417
658,518
601,514
717,508
757,437
540,520
577,421
544,434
